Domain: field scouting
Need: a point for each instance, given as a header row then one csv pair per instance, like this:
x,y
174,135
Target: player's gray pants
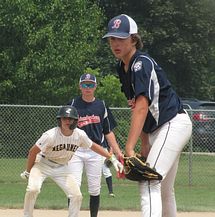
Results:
x,y
157,198
60,175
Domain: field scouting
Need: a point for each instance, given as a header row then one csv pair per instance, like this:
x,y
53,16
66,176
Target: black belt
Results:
x,y
48,159
181,111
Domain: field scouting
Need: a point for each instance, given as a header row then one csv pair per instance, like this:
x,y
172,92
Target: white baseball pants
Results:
x,y
157,198
92,162
60,174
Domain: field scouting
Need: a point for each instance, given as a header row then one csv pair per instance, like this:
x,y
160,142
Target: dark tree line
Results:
x,y
46,45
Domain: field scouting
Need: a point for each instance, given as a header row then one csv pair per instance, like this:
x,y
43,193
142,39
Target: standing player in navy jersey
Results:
x,y
97,121
157,116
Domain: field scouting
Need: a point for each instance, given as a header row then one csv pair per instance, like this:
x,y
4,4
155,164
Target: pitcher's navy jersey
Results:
x,y
94,118
145,77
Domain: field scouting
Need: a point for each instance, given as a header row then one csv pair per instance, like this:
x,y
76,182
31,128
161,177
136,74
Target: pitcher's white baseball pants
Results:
x,y
157,198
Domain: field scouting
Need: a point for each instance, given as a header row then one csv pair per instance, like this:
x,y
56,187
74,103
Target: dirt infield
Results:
x,y
63,213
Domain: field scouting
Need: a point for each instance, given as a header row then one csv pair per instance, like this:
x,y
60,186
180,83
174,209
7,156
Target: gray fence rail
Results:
x,y
22,125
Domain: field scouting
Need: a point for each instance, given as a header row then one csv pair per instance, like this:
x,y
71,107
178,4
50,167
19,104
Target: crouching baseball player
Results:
x,y
49,158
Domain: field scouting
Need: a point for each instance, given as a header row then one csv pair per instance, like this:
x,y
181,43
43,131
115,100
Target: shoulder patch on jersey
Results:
x,y
138,66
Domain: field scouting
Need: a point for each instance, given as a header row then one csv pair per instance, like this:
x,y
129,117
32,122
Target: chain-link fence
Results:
x,y
22,125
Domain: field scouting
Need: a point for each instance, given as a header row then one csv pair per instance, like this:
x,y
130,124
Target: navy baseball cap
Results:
x,y
87,77
121,26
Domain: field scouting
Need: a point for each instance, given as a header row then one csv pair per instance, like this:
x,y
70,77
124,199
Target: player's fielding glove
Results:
x,y
25,175
117,165
136,169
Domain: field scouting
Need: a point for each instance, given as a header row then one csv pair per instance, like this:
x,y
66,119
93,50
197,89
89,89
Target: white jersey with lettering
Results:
x,y
58,148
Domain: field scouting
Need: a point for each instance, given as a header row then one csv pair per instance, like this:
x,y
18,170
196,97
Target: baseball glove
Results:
x,y
136,169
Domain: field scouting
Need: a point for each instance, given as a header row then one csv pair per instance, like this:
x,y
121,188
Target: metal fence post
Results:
x,y
190,164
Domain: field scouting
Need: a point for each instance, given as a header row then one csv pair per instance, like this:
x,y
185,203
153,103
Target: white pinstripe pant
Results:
x,y
167,142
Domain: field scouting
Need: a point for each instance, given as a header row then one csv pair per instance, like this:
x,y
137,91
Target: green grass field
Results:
x,y
194,188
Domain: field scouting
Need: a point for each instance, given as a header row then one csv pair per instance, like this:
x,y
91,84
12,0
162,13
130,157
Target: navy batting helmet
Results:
x,y
68,112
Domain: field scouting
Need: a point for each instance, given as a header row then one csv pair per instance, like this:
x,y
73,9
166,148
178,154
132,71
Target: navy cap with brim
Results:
x,y
121,26
87,77
116,35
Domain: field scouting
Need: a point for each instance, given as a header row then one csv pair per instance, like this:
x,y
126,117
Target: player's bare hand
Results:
x,y
119,155
25,175
117,165
131,103
129,152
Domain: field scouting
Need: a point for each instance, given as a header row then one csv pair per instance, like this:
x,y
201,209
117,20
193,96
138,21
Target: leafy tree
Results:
x,y
110,90
45,46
